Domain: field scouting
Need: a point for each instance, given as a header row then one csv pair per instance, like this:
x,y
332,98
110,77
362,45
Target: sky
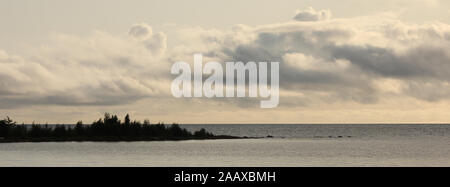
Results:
x,y
348,61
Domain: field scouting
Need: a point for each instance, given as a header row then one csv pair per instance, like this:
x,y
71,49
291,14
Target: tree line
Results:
x,y
108,128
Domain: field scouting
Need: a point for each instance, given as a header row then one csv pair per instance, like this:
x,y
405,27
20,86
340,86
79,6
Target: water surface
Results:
x,y
293,145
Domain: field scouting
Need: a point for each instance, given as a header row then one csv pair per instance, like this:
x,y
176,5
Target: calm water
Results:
x,y
293,145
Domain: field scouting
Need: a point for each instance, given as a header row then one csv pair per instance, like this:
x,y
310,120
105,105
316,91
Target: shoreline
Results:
x,y
119,139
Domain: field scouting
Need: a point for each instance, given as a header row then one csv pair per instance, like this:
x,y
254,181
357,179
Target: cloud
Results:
x,y
142,31
310,14
344,60
101,69
352,60
155,43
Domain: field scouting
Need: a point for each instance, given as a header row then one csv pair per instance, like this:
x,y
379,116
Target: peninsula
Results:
x,y
107,129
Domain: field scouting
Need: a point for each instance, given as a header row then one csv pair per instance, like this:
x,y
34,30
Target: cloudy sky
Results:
x,y
347,61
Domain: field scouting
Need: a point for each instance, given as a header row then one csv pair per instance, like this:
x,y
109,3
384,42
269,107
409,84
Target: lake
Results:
x,y
292,145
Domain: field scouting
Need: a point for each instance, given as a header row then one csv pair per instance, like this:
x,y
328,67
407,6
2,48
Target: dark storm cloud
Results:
x,y
427,62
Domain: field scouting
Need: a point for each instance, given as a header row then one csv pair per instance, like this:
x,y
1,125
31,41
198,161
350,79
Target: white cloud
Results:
x,y
155,43
141,31
101,69
310,14
358,60
309,63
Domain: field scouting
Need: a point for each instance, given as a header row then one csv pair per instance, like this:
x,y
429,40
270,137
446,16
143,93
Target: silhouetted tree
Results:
x,y
79,129
127,119
60,131
6,125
